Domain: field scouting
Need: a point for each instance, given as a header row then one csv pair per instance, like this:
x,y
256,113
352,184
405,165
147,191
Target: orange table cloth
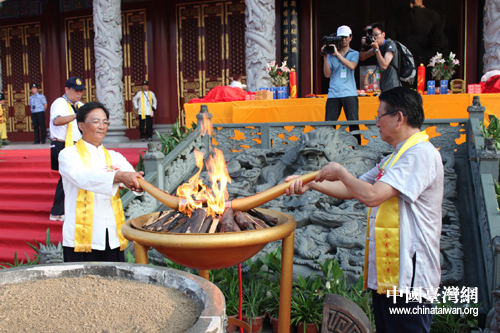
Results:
x,y
313,109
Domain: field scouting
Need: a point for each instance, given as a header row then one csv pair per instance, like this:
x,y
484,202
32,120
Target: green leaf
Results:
x,y
47,238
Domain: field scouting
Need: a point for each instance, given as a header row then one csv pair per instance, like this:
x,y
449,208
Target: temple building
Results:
x,y
185,48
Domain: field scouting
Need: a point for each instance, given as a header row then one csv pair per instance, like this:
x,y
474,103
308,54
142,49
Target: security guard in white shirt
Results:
x,y
64,132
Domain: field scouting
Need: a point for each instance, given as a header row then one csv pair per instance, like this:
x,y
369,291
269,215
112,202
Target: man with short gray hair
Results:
x,y
405,193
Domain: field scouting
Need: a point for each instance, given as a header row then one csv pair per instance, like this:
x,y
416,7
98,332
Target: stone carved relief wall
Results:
x,y
182,167
109,58
260,40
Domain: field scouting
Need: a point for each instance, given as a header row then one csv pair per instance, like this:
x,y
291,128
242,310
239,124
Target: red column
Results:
x,y
53,54
162,56
472,41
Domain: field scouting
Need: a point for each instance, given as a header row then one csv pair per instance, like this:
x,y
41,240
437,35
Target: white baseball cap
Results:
x,y
344,31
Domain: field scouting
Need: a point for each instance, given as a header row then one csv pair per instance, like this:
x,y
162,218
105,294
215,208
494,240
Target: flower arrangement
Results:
x,y
443,67
279,75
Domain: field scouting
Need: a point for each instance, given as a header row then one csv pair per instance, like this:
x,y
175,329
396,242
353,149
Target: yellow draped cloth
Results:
x,y
387,231
3,123
85,208
143,105
69,134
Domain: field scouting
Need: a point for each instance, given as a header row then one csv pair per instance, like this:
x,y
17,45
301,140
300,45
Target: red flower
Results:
x,y
444,67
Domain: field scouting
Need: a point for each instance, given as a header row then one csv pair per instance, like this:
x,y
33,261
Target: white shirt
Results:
x,y
238,84
147,104
76,176
419,177
60,108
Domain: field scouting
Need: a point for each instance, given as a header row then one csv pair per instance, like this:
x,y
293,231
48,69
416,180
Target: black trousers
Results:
x,y
351,108
148,124
386,322
58,205
114,255
38,120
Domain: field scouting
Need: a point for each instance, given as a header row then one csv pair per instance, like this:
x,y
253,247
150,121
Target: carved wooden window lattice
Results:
x,y
79,53
21,57
210,45
81,57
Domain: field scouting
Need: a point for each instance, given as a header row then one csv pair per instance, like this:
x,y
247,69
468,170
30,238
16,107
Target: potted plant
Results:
x,y
334,282
273,306
231,294
227,281
254,304
451,321
307,304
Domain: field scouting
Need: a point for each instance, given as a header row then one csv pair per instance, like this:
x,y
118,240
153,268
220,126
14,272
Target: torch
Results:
x,y
293,84
240,204
421,79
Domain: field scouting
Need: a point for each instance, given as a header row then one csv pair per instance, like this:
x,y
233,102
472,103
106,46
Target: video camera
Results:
x,y
328,40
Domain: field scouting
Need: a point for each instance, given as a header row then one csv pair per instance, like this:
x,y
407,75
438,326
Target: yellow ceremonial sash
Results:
x,y
143,105
69,134
387,231
2,116
85,208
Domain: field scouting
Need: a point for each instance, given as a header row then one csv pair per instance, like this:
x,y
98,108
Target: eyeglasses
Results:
x,y
377,34
377,118
96,123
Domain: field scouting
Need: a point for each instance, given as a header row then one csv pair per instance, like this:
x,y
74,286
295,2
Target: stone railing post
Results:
x,y
153,163
476,110
489,159
200,127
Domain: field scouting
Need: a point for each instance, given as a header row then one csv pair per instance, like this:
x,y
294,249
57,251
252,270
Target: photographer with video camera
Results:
x,y
386,52
339,64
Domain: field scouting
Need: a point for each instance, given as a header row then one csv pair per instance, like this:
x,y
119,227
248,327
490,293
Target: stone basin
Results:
x,y
200,290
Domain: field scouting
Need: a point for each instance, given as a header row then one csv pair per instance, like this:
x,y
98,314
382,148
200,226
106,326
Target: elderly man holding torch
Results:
x,y
405,194
91,176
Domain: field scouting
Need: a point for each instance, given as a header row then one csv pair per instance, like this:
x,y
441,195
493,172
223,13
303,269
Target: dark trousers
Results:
x,y
114,255
148,124
386,322
351,107
58,206
38,120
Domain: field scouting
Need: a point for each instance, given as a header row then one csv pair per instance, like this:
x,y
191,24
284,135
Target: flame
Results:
x,y
206,126
195,193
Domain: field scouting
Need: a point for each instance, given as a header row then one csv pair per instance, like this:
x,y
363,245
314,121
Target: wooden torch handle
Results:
x,y
244,204
165,198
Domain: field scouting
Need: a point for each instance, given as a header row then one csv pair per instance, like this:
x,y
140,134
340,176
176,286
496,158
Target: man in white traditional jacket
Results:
x,y
91,176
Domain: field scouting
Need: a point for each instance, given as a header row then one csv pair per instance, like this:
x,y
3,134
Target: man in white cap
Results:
x,y
339,66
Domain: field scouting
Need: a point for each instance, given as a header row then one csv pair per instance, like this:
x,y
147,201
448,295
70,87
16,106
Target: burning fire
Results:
x,y
195,193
